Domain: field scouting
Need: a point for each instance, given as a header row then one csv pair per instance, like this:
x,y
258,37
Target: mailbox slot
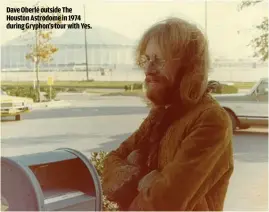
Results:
x,y
66,174
68,200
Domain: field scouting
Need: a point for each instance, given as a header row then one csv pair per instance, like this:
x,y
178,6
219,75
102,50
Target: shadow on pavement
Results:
x,y
114,143
52,139
252,148
85,112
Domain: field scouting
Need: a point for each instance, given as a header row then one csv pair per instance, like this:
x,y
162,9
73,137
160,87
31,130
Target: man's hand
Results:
x,y
123,174
139,203
148,179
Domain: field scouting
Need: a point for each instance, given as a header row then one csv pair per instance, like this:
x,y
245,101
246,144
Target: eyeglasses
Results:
x,y
159,64
144,62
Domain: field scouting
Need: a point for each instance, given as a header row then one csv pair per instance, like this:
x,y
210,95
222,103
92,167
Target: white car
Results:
x,y
14,106
247,109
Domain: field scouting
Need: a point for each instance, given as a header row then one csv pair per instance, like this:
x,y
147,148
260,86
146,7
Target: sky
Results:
x,y
229,31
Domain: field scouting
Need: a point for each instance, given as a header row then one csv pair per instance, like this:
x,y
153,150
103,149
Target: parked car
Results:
x,y
213,86
14,106
247,109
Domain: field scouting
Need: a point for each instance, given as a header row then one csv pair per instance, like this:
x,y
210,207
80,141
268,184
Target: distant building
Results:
x,y
240,63
105,49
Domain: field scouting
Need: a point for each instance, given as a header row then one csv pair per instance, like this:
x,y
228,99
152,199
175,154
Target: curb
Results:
x,y
53,104
261,130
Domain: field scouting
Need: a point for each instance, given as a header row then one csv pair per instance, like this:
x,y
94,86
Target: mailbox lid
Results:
x,y
43,157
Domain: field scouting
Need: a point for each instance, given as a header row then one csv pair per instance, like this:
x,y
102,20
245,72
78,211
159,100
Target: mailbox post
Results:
x,y
62,180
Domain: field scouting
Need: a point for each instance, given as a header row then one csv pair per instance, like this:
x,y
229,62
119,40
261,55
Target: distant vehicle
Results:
x,y
247,109
14,106
213,86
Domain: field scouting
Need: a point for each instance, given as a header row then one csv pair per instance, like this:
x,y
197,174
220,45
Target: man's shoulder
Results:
x,y
208,111
214,106
209,106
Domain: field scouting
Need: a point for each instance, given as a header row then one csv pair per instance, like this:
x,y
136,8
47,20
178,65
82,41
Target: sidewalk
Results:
x,y
245,194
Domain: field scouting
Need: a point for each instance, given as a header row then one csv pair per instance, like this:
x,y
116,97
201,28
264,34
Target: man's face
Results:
x,y
159,74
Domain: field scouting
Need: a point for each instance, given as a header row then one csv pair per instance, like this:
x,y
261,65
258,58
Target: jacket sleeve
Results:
x,y
118,158
182,181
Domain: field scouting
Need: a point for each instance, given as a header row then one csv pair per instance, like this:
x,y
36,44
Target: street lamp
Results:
x,y
86,45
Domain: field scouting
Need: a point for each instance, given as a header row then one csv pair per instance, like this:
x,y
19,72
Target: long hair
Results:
x,y
178,38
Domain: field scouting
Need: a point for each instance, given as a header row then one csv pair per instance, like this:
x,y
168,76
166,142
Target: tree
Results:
x,y
42,50
259,43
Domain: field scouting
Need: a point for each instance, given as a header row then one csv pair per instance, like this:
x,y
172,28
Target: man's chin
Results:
x,y
157,94
154,97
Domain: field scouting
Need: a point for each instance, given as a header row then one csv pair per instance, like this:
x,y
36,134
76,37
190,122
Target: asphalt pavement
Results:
x,y
93,123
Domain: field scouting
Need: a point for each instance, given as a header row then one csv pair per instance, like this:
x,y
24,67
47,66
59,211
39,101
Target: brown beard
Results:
x,y
162,98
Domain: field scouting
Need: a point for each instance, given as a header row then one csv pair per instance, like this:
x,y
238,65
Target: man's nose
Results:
x,y
150,69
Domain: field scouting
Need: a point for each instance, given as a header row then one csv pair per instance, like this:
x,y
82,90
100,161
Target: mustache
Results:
x,y
154,77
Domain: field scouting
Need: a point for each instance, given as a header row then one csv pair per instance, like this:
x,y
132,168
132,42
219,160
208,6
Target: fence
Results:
x,y
242,75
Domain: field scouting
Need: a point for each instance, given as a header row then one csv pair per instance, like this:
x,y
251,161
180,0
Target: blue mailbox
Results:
x,y
60,180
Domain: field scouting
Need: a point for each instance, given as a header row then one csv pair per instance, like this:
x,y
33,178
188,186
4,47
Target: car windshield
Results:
x,y
3,92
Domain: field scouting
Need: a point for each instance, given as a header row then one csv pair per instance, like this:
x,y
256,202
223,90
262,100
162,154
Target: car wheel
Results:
x,y
234,121
18,117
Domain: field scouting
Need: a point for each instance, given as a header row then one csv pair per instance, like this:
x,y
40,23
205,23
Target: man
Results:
x,y
180,158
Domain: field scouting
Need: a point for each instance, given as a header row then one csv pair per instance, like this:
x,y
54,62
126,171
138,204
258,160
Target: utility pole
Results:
x,y
86,46
205,17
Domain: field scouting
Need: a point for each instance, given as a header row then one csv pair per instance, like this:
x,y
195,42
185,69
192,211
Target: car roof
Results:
x,y
264,79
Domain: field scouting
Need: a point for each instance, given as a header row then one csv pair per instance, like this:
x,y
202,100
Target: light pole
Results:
x,y
86,45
